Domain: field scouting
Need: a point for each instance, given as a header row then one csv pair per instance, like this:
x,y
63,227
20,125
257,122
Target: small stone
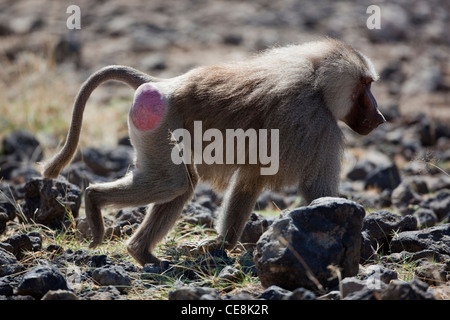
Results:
x,y
60,295
104,293
383,177
300,294
112,275
39,280
350,285
426,217
433,273
196,214
375,273
19,244
439,203
230,273
404,198
3,220
400,290
192,293
274,293
8,263
5,287
434,239
381,225
47,201
23,146
255,227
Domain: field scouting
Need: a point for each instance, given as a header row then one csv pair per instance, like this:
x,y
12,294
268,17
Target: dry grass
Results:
x,y
38,97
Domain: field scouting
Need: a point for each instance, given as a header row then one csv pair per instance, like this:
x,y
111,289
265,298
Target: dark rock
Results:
x,y
355,289
426,131
104,293
239,296
68,49
372,199
9,209
272,200
368,252
332,295
38,281
36,240
81,175
300,294
297,249
131,215
154,62
5,287
216,258
255,227
418,184
104,162
3,220
17,172
192,293
8,263
207,202
151,269
60,295
433,273
112,275
426,217
435,239
195,213
383,177
402,256
381,225
360,170
247,263
204,191
55,249
79,257
439,203
48,201
111,229
99,261
437,182
7,247
230,273
400,290
372,281
233,39
364,294
127,265
350,285
19,244
404,198
274,293
374,273
22,146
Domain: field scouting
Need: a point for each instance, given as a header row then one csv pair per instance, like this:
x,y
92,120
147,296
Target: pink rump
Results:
x,y
148,107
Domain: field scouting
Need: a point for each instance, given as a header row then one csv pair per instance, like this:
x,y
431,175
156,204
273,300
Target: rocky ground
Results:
x,y
396,180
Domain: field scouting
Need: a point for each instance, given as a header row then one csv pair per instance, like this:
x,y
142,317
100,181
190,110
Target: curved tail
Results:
x,y
134,78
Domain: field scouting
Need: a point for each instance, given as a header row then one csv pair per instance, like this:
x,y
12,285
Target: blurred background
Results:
x,y
43,62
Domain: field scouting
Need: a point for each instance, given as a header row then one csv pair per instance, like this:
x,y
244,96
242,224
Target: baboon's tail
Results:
x,y
132,77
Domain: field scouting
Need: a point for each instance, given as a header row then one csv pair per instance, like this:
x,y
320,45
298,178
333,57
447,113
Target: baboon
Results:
x,y
301,90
